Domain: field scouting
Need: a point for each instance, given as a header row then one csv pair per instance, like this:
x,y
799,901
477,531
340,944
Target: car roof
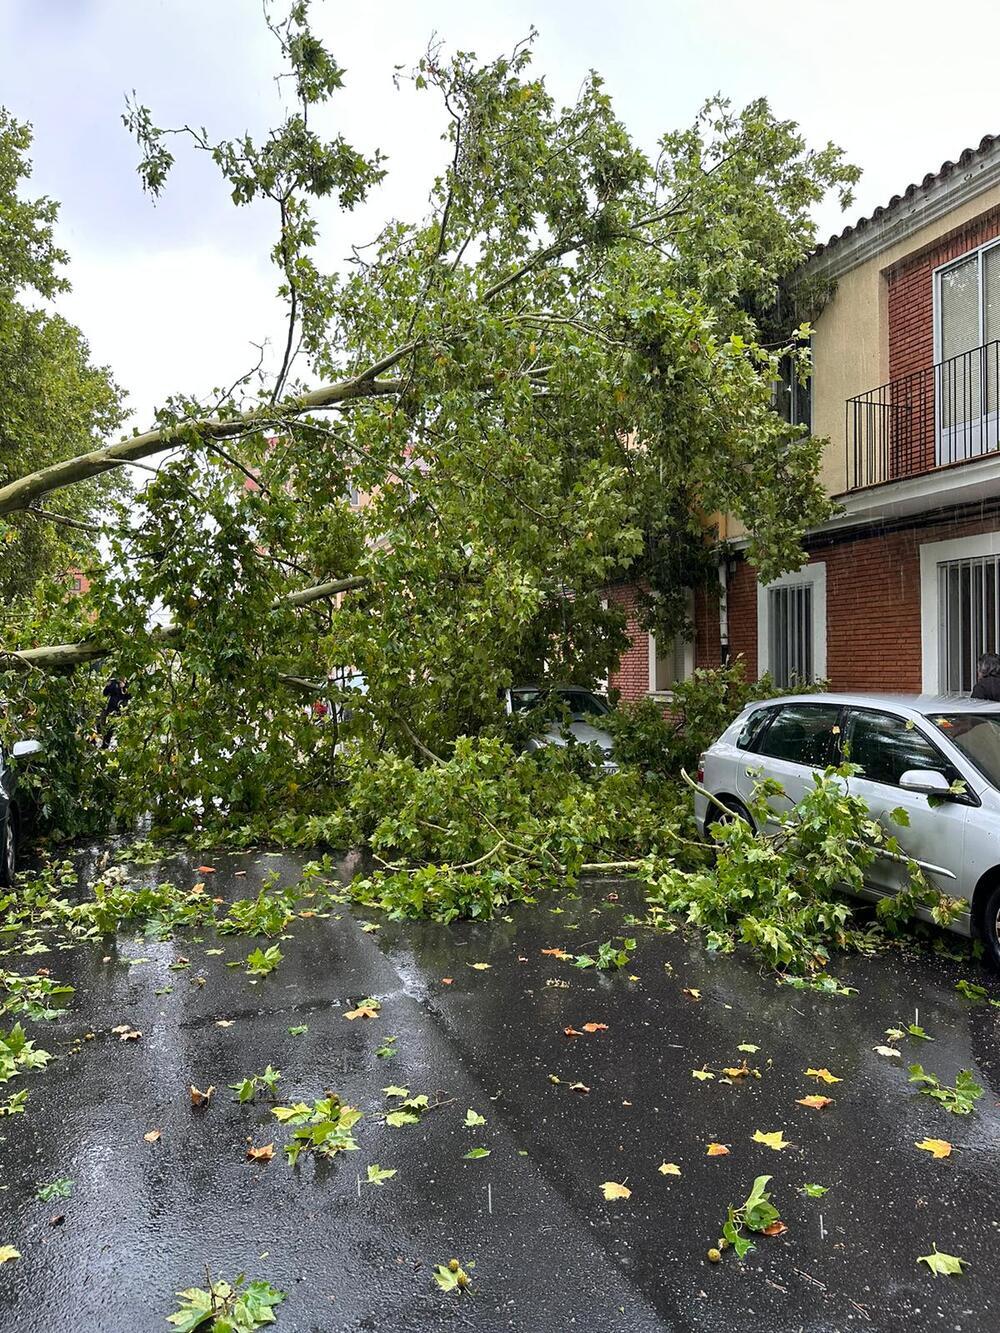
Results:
x,y
923,704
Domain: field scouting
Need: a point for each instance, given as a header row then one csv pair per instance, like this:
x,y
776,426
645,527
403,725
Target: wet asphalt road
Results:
x,y
550,1254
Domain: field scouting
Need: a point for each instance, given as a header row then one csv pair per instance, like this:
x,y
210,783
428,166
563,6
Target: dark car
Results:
x,y
9,825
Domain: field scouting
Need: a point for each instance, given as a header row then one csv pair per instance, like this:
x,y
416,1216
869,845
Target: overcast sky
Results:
x,y
173,296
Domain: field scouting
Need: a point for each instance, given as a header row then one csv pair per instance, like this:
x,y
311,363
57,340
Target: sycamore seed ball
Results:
x,y
714,1255
452,1265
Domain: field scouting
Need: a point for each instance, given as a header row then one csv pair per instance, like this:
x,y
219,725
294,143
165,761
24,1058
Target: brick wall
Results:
x,y
632,676
872,604
911,294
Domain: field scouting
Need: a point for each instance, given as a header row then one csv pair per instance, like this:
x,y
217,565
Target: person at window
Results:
x,y
987,684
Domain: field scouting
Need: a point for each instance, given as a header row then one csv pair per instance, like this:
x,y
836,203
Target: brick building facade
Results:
x,y
901,590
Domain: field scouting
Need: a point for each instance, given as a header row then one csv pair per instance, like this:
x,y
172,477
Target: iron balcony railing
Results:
x,y
932,418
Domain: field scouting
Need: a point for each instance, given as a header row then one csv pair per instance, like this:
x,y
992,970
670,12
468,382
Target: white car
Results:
x,y
909,748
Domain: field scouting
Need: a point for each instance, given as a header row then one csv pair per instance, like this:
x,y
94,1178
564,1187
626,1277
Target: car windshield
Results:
x,y
580,703
977,735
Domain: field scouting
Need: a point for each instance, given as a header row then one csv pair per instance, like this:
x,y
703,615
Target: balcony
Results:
x,y
933,418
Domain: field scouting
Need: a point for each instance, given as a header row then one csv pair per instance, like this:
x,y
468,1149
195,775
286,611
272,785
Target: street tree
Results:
x,y
547,383
54,402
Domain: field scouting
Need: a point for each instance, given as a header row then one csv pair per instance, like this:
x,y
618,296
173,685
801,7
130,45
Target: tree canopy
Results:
x,y
54,403
546,384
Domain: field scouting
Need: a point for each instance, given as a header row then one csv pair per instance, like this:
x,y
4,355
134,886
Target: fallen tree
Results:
x,y
542,388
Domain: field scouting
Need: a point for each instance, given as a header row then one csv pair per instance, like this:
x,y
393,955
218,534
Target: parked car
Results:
x,y
9,816
937,758
574,711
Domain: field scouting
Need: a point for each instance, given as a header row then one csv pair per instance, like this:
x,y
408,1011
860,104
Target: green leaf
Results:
x,y
56,1189
475,1153
815,1191
7,1253
473,1118
378,1175
971,990
941,1264
399,1118
299,1030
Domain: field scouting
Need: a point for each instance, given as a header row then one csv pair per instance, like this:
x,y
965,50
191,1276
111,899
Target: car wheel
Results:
x,y
8,852
715,819
991,929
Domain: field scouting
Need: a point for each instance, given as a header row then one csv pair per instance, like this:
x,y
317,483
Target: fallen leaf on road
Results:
x,y
474,1154
126,1033
579,1087
717,1150
262,1154
571,1032
199,1098
815,1191
886,1050
938,1262
936,1147
612,1190
224,1022
8,1252
595,1027
557,953
775,1140
816,1103
378,1175
206,870
775,1229
701,1074
823,1076
153,1136
362,1011
447,981
692,992
481,967
669,1169
738,1071
749,1047
473,1118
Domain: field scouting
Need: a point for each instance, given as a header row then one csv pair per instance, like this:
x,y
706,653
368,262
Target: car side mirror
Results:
x,y
929,781
21,749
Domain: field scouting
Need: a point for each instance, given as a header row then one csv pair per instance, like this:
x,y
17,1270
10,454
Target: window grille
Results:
x,y
969,619
790,630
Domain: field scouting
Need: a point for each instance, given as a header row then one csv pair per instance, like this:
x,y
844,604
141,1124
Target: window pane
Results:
x,y
960,407
968,598
755,725
977,735
991,294
669,666
803,734
960,308
886,747
790,633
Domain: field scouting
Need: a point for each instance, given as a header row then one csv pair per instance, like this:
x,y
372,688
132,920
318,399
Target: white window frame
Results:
x,y
688,657
814,575
933,554
988,430
977,253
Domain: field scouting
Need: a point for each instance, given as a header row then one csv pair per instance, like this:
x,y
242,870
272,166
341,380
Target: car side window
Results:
x,y
885,747
753,728
802,734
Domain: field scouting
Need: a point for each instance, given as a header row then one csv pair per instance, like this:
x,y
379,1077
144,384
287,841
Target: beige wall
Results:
x,y
851,342
851,339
